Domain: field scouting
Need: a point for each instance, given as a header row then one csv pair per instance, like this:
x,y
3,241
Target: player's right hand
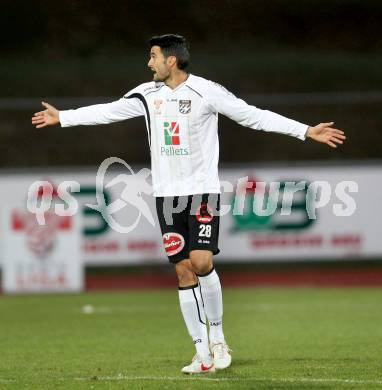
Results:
x,y
48,117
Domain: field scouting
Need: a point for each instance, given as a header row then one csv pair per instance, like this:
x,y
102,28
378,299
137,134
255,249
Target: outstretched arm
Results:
x,y
226,103
127,107
48,117
326,134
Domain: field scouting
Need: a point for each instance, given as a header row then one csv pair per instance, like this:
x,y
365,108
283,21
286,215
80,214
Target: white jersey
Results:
x,y
182,127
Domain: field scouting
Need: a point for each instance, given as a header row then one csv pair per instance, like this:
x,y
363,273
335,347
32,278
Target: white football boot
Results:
x,y
222,355
198,366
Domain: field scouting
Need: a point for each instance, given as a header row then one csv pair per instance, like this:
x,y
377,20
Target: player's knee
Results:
x,y
186,275
201,261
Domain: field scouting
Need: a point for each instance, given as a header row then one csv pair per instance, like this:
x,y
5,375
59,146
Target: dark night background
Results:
x,y
312,61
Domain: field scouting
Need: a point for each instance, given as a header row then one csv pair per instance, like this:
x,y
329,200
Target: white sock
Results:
x,y
211,293
195,319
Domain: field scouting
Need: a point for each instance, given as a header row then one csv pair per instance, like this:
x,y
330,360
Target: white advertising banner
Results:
x,y
40,258
287,213
123,237
314,213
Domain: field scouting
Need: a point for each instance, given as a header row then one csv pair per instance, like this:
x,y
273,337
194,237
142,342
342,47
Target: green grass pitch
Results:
x,y
282,339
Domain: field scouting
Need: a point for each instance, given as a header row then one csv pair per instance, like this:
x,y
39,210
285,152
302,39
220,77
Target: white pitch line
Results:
x,y
7,380
228,379
105,310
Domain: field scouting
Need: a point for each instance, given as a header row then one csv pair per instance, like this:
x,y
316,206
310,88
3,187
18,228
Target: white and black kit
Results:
x,y
194,226
182,128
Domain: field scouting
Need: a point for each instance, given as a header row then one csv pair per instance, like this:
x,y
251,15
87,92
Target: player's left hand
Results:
x,y
326,134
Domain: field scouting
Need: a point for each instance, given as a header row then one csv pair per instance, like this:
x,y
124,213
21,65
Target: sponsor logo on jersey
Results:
x,y
172,151
172,139
204,213
184,106
171,133
157,106
173,243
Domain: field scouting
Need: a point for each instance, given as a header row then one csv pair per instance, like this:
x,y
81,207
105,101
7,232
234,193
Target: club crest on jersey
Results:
x,y
204,213
157,106
184,106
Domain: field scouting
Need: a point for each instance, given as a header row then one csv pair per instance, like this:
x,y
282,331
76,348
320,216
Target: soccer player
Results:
x,y
181,112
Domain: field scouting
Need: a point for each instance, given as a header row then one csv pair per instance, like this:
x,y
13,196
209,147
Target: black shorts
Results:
x,y
187,223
